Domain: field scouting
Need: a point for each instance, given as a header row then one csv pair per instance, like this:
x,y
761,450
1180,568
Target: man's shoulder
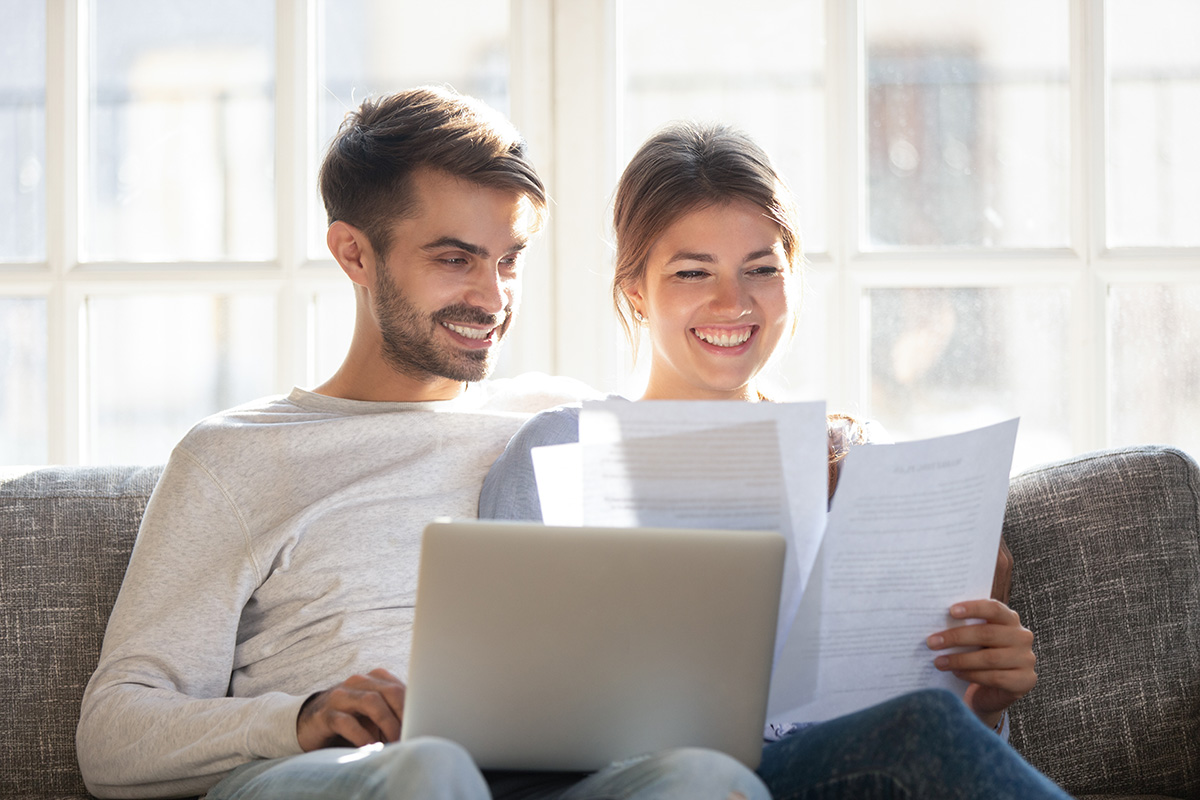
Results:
x,y
532,392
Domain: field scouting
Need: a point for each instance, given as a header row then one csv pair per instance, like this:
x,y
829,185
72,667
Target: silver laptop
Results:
x,y
546,648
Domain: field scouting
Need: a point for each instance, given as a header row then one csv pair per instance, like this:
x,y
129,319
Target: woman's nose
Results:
x,y
730,299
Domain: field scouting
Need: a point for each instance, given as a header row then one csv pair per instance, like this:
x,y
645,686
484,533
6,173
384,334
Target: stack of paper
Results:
x,y
914,528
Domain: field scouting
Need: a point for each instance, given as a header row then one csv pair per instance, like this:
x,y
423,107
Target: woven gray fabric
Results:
x,y
65,537
1107,575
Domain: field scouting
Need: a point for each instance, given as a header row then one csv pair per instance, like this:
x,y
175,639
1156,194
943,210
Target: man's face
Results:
x,y
447,290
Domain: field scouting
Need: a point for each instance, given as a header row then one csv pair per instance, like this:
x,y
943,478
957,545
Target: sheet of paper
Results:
x,y
914,528
802,447
738,466
558,470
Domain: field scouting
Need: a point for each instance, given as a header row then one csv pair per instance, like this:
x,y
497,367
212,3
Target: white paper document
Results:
x,y
914,528
740,466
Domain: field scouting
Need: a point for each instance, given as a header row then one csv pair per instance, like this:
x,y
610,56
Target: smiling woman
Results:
x,y
706,254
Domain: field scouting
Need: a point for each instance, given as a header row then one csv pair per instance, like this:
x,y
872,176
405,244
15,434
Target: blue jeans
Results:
x,y
923,745
436,769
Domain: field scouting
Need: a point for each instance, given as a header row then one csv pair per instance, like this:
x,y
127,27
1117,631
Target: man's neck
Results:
x,y
390,387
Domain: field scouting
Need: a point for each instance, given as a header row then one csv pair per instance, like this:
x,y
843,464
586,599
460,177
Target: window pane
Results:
x,y
1153,122
761,69
968,123
23,422
376,47
181,146
947,360
158,364
22,131
799,371
1154,363
332,326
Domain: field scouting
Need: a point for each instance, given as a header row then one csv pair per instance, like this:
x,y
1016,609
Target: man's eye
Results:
x,y
456,261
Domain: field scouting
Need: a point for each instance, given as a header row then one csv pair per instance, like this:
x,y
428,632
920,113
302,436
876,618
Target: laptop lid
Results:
x,y
547,648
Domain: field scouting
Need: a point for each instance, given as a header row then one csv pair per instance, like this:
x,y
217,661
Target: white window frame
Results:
x,y
565,99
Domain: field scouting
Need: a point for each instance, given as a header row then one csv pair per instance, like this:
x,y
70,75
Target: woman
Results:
x,y
708,260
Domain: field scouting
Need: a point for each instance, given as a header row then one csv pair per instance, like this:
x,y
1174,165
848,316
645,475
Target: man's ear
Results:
x,y
352,251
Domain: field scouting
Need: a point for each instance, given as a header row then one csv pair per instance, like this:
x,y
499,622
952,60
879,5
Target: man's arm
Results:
x,y
155,719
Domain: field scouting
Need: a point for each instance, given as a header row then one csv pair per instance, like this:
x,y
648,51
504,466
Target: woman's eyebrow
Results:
x,y
685,255
766,251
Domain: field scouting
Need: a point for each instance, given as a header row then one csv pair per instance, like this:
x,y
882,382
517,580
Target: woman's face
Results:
x,y
715,296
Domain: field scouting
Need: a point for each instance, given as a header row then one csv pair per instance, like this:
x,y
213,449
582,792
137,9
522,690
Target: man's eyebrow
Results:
x,y
476,250
457,244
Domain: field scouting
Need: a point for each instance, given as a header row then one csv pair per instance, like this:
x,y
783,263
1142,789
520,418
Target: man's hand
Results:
x,y
1001,671
361,710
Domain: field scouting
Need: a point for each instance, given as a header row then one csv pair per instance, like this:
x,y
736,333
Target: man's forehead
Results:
x,y
443,206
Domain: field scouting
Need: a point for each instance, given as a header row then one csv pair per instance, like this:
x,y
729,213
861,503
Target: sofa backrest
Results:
x,y
65,537
1107,576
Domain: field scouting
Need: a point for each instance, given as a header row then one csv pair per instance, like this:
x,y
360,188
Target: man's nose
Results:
x,y
490,291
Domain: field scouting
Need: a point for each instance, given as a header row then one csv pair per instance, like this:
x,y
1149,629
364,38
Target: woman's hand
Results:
x,y
1001,671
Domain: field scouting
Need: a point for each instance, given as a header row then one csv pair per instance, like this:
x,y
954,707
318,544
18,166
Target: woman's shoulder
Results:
x,y
557,425
846,431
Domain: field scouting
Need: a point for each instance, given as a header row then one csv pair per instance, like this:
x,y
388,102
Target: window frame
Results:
x,y
565,99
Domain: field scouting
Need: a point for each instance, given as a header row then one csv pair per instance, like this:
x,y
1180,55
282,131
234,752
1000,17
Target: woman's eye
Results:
x,y
766,271
690,274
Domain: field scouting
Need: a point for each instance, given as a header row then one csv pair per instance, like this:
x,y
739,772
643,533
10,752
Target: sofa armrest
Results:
x,y
65,538
1107,576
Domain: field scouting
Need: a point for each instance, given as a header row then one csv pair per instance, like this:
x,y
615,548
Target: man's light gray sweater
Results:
x,y
277,557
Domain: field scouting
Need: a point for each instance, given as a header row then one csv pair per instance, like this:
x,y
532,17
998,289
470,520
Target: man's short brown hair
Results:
x,y
366,176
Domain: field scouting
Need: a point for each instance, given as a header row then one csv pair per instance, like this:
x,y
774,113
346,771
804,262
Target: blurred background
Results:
x,y
1000,201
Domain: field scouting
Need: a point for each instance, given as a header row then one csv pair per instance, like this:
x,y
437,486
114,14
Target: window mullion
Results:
x,y
295,52
65,42
846,376
1090,393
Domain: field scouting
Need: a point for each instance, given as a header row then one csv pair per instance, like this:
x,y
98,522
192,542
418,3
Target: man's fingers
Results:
x,y
362,710
371,706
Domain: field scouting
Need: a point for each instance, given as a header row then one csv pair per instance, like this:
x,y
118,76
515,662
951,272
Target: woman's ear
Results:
x,y
352,251
633,295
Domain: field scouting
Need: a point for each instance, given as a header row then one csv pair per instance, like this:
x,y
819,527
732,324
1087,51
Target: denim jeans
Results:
x,y
435,769
923,745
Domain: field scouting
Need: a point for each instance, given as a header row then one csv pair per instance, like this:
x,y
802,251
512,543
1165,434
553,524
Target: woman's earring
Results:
x,y
639,316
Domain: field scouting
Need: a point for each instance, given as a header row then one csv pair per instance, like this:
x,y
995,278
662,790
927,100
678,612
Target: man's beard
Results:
x,y
410,342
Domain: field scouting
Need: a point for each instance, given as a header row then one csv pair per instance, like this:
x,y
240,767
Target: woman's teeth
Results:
x,y
724,338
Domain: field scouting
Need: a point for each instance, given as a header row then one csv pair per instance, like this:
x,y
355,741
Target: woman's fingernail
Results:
x,y
935,641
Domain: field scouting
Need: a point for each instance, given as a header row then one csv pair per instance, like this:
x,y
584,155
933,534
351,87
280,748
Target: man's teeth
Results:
x,y
724,339
470,333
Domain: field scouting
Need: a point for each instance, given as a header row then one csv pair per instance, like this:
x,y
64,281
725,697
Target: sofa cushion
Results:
x,y
65,537
1107,576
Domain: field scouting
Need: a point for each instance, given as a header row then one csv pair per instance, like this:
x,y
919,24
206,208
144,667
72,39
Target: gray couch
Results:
x,y
1107,550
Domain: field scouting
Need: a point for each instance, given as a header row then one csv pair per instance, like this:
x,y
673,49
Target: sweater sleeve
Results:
x,y
156,720
510,488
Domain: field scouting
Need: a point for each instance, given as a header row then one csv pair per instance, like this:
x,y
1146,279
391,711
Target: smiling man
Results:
x,y
255,648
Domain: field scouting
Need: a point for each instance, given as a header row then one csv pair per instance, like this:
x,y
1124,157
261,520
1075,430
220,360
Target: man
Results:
x,y
265,615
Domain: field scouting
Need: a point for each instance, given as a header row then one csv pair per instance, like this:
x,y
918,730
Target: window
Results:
x,y
999,201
